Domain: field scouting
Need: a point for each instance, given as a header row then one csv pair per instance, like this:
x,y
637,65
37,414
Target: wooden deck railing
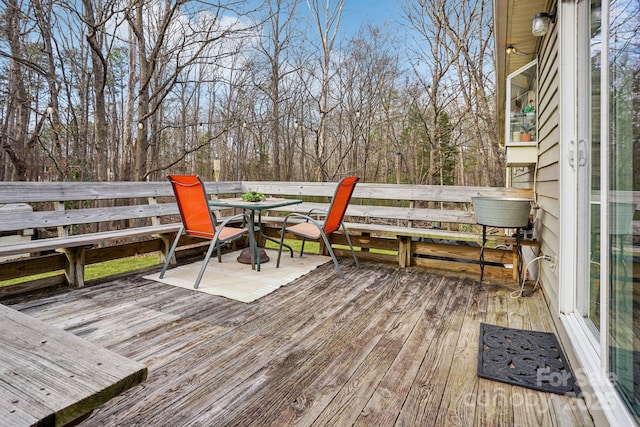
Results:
x,y
68,225
427,225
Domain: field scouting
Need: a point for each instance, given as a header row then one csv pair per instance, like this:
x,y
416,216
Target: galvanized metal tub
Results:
x,y
506,212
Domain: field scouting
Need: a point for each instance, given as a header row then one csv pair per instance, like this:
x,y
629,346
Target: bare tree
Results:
x,y
327,21
469,27
453,72
96,21
171,40
15,125
368,76
435,61
17,143
274,48
185,85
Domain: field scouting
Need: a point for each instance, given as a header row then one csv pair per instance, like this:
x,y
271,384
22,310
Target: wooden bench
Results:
x,y
419,224
50,377
88,220
93,222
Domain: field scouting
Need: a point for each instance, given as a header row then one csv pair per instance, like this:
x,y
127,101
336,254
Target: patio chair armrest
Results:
x,y
233,219
307,218
317,213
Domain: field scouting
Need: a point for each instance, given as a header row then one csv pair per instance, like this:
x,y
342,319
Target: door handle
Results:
x,y
582,153
571,155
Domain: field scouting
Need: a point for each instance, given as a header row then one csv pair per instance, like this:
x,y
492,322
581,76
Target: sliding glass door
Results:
x,y
607,162
623,158
586,160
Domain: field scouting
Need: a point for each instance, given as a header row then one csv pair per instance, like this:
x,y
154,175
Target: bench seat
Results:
x,y
74,246
53,243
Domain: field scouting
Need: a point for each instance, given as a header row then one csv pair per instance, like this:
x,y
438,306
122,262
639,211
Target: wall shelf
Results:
x,y
521,130
522,153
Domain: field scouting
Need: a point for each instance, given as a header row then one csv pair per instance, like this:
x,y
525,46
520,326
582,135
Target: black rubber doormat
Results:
x,y
526,358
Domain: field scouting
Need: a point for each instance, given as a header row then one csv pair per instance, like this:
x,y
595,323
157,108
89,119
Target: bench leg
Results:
x,y
365,235
167,240
518,274
404,251
323,247
74,270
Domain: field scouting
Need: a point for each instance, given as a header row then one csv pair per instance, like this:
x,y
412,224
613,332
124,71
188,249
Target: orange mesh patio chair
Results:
x,y
199,221
316,229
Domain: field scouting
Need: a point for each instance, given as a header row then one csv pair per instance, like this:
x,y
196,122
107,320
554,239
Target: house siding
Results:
x,y
544,177
548,174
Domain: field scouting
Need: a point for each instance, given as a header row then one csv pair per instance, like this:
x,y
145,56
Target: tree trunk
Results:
x,y
15,127
99,68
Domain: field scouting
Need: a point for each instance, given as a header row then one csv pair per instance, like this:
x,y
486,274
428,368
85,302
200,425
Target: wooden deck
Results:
x,y
385,346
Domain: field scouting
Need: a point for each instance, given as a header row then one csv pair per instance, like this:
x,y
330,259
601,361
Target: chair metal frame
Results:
x,y
190,191
333,220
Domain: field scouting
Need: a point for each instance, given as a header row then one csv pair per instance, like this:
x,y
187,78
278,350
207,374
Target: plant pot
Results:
x,y
505,212
525,137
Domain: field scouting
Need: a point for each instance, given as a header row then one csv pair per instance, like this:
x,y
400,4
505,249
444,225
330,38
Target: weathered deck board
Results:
x,y
493,399
395,386
333,349
377,359
52,377
455,407
385,346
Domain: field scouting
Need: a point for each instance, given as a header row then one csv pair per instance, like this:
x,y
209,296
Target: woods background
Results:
x,y
118,90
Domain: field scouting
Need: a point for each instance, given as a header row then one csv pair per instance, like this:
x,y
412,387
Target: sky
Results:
x,y
386,15
379,13
358,13
375,12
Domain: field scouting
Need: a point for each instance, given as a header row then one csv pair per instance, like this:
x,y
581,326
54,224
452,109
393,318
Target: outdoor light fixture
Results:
x,y
511,50
541,22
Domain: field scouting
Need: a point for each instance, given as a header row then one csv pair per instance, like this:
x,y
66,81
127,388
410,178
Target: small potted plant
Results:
x,y
253,196
525,132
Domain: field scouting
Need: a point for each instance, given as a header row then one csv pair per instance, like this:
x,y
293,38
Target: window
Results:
x,y
521,131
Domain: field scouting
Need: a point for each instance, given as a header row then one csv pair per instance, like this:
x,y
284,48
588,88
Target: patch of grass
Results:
x,y
383,251
309,247
116,266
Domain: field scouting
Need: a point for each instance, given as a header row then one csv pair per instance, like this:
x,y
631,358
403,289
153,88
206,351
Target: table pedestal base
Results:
x,y
245,256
